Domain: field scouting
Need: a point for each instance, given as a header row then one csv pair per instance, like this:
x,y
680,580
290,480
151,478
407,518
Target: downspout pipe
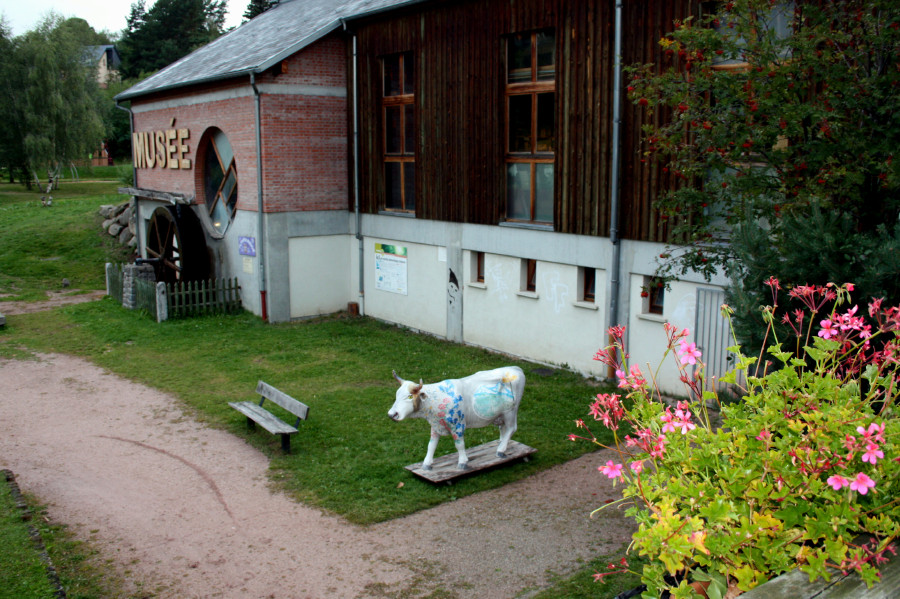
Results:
x,y
260,215
137,211
615,283
356,211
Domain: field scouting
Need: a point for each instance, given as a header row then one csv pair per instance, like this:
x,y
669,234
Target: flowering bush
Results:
x,y
801,473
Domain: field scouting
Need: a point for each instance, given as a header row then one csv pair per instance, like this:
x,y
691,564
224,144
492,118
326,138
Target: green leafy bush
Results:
x,y
799,471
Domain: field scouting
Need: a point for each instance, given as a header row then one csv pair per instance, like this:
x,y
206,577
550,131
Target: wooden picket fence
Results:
x,y
172,300
114,276
210,296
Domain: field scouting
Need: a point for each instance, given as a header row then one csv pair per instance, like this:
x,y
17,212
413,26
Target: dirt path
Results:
x,y
54,299
185,510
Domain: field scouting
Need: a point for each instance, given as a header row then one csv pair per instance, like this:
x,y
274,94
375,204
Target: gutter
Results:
x,y
260,215
361,294
615,283
137,211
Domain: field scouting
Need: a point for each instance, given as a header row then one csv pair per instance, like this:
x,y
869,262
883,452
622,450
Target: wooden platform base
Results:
x,y
481,458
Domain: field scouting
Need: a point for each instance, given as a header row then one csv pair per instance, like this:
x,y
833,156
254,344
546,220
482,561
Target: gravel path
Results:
x,y
184,510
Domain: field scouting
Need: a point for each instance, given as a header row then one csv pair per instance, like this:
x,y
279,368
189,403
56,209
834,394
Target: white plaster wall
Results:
x,y
646,336
424,307
318,274
550,325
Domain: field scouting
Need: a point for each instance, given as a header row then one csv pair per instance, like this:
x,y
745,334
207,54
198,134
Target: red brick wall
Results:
x,y
304,136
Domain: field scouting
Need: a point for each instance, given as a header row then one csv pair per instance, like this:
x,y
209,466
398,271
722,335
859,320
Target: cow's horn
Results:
x,y
396,376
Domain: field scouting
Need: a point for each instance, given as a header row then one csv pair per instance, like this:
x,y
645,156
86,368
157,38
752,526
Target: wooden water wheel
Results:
x,y
176,245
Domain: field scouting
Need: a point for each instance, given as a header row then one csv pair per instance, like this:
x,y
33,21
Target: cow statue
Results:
x,y
452,406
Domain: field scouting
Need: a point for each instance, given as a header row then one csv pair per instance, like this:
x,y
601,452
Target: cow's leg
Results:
x,y
506,432
432,445
463,463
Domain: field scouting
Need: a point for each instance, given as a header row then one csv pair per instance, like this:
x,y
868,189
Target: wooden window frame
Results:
x,y
534,88
406,155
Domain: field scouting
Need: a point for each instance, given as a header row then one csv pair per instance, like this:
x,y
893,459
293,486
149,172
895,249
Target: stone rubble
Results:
x,y
119,222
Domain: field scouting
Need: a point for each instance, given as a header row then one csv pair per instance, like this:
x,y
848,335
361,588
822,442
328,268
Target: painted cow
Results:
x,y
452,406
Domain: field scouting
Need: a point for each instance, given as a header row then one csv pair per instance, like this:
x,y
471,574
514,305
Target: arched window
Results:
x,y
220,180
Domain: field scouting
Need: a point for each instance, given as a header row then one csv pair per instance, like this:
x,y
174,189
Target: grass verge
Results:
x,y
23,572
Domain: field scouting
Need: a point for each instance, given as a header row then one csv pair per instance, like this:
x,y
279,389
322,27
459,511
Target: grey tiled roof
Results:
x,y
259,43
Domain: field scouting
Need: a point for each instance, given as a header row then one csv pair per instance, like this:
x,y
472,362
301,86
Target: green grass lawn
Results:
x,y
41,245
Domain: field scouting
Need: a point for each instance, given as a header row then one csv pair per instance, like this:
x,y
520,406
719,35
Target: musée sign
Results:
x,y
164,149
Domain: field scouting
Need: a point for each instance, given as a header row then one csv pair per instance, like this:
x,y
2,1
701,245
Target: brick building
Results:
x,y
469,169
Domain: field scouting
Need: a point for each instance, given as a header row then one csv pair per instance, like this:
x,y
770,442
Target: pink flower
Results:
x,y
837,482
764,435
688,352
579,423
874,434
872,454
669,419
862,483
828,331
659,447
637,467
612,470
573,437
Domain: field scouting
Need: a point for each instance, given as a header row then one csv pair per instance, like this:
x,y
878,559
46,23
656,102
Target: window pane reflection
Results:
x,y
543,193
546,123
393,185
520,123
392,130
518,186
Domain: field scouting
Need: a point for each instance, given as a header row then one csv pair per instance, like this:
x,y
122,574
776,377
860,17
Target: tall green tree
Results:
x,y
169,30
52,97
258,7
82,31
12,139
782,119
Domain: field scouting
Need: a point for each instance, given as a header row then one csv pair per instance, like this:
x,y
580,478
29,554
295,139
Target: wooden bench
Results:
x,y
256,413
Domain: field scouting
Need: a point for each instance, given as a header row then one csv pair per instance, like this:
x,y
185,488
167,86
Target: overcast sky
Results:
x,y
23,15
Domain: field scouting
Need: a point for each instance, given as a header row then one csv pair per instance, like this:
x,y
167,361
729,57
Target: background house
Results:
x,y
458,168
107,61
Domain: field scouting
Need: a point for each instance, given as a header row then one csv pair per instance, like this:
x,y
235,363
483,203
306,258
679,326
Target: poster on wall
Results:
x,y
390,268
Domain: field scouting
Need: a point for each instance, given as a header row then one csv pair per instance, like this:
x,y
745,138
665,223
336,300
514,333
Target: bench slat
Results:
x,y
298,409
266,419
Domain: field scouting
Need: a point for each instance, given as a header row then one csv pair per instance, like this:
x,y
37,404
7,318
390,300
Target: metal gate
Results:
x,y
713,337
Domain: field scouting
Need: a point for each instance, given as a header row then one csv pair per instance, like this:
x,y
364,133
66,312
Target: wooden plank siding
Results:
x,y
643,179
458,49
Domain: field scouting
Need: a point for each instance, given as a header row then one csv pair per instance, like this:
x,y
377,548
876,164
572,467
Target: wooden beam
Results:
x,y
163,196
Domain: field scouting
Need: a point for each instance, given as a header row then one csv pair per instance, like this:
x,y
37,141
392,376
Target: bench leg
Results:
x,y
286,443
250,424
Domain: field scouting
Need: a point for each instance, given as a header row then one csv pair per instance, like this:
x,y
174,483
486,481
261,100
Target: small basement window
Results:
x,y
528,281
587,278
653,293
